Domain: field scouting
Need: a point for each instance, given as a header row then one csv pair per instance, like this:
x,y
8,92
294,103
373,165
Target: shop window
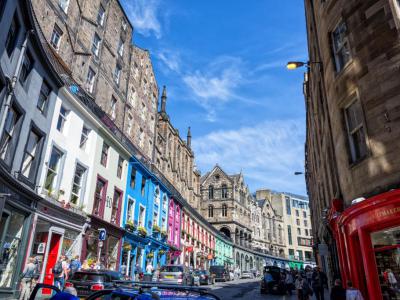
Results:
x,y
12,35
341,48
120,167
117,197
355,131
104,154
44,97
31,157
99,197
133,179
11,229
53,168
77,184
26,68
9,139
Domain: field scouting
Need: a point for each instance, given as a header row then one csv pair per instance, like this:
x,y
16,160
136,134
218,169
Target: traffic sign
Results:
x,y
102,234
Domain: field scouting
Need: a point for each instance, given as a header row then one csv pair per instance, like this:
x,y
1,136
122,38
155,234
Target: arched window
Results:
x,y
210,192
224,210
224,191
210,211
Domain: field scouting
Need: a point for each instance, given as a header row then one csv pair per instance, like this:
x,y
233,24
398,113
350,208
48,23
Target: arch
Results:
x,y
237,259
210,211
224,210
251,263
242,262
246,260
226,231
210,192
224,191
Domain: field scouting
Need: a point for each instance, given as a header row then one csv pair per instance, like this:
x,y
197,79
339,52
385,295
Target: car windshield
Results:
x,y
89,277
172,269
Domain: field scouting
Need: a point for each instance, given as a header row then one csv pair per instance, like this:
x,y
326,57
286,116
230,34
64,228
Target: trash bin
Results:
x,y
147,277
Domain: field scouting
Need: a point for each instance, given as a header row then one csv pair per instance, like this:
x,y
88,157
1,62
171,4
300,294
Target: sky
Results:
x,y
223,62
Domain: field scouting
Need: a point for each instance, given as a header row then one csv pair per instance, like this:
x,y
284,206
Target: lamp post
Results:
x,y
292,65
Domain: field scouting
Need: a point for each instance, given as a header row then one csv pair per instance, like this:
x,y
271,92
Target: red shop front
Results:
x,y
368,241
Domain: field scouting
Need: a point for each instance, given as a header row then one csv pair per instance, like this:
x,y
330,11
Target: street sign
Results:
x,y
102,234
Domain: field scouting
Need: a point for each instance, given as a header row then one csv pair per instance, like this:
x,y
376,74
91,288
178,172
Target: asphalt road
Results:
x,y
246,289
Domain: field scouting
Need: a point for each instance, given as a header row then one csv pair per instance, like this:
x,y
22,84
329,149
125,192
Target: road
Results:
x,y
246,289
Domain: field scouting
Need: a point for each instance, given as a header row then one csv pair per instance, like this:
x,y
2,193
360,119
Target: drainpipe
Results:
x,y
12,82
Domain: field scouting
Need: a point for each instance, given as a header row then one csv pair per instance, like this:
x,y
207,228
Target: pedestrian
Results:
x,y
138,272
319,281
338,292
309,273
289,283
303,289
58,272
353,293
65,266
149,268
27,278
75,265
391,279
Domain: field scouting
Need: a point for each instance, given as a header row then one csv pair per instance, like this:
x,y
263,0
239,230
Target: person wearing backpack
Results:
x,y
58,272
27,277
75,265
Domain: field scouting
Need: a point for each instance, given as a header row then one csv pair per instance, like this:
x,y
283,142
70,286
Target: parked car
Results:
x,y
176,274
219,273
273,280
247,275
88,281
204,277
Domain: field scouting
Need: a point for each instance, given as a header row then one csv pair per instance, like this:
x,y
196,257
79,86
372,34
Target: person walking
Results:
x,y
319,281
303,289
27,278
353,293
75,265
338,292
58,272
289,283
391,279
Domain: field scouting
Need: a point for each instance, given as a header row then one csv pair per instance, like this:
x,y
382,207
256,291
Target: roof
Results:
x,y
261,202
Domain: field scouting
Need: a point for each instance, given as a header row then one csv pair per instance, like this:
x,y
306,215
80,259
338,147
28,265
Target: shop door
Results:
x,y
52,256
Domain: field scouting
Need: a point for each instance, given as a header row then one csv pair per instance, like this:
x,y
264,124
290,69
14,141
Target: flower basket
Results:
x,y
127,247
129,226
150,255
142,231
156,228
161,252
164,234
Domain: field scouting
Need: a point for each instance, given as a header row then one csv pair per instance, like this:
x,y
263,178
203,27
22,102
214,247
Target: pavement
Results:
x,y
248,289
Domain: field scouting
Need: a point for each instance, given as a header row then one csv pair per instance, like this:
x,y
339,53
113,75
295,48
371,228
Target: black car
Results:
x,y
88,281
219,273
204,277
273,280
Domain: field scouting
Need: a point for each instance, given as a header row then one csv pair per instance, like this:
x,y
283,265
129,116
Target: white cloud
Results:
x,y
171,59
268,153
143,15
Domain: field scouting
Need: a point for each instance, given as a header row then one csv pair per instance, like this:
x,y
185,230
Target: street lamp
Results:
x,y
298,173
291,65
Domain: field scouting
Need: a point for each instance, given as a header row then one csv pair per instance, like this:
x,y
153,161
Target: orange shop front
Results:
x,y
368,240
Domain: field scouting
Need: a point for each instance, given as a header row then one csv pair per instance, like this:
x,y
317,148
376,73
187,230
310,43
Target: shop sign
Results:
x,y
41,248
210,256
102,234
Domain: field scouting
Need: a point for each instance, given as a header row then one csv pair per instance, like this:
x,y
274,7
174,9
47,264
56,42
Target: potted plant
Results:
x,y
127,247
150,255
129,226
164,234
156,228
142,231
161,252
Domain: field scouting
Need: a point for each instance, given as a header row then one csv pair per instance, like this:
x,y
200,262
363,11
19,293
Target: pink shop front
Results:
x,y
174,231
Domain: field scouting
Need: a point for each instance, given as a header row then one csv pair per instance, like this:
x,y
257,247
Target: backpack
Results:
x,y
57,270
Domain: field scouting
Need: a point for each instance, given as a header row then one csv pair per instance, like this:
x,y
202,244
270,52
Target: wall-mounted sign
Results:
x,y
41,248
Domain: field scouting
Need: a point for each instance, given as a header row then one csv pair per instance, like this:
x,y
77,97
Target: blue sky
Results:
x,y
223,63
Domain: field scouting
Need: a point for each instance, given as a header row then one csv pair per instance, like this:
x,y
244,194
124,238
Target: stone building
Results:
x,y
174,157
352,98
93,38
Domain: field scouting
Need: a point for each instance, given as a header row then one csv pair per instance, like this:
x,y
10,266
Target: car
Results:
x,y
273,281
132,290
87,281
247,275
176,274
204,277
219,273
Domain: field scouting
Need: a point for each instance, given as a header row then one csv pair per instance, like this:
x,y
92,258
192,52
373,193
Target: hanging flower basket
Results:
x,y
161,252
156,228
127,247
164,234
150,255
129,226
142,231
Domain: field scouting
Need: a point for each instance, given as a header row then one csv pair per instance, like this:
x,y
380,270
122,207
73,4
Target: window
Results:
x,y
43,97
31,155
100,15
210,211
113,107
115,206
8,140
84,137
297,222
355,131
117,74
130,124
96,45
297,212
291,253
55,39
142,215
143,112
304,214
143,186
53,169
133,179
165,203
121,48
163,224
99,195
289,232
305,223
26,68
224,210
141,137
123,25
104,154
120,166
288,208
130,209
64,5
155,218
132,98
298,231
341,47
210,192
12,35
306,232
90,80
62,118
224,191
77,184
157,197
